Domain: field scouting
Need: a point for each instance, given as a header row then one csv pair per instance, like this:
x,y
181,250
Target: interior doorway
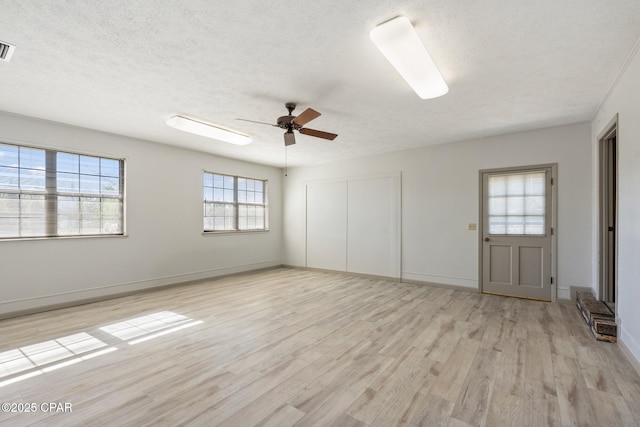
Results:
x,y
608,143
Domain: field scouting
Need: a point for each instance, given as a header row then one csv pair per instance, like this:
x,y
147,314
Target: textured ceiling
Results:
x,y
127,66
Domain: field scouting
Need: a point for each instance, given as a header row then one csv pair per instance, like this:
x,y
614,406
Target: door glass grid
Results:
x,y
517,204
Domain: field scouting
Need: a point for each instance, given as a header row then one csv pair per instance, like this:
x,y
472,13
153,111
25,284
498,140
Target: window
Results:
x,y
48,193
517,204
233,203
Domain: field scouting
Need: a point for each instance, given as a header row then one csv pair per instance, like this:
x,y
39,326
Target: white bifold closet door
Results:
x,y
327,225
353,225
371,227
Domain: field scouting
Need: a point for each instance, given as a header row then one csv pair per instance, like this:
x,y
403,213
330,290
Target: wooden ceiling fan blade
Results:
x,y
305,117
318,133
254,121
289,138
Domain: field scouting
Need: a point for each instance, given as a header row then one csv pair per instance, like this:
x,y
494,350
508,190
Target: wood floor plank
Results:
x,y
328,406
605,409
510,376
295,347
285,416
450,381
541,408
599,378
630,390
426,410
575,402
472,405
237,402
391,393
263,407
505,410
538,362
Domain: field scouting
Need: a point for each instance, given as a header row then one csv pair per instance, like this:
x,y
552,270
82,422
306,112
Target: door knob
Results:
x,y
486,239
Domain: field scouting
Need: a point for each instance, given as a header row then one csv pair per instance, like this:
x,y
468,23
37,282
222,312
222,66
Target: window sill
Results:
x,y
93,236
215,233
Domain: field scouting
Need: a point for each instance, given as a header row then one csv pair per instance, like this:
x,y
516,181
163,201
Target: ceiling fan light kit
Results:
x,y
399,43
289,138
208,130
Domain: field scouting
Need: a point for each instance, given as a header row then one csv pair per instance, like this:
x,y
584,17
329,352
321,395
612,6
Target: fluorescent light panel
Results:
x,y
6,51
400,44
208,130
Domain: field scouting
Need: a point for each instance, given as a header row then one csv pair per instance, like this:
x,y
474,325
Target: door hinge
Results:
x,y
552,231
551,181
552,280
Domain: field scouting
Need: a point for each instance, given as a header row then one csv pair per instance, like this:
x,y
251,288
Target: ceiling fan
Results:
x,y
291,123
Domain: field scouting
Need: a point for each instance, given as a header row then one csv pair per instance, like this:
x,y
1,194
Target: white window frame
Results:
x,y
234,222
52,195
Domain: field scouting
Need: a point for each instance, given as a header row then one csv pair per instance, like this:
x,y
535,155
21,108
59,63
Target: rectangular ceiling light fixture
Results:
x,y
400,44
208,130
6,50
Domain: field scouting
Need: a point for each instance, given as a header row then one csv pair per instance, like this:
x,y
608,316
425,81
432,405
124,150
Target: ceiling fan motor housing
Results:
x,y
285,122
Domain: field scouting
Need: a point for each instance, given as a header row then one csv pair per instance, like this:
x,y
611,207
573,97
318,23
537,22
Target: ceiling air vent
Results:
x,y
6,50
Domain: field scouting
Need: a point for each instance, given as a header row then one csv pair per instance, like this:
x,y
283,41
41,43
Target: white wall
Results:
x,y
163,222
440,199
623,100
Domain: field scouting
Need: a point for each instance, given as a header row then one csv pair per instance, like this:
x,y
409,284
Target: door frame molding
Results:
x,y
554,216
609,129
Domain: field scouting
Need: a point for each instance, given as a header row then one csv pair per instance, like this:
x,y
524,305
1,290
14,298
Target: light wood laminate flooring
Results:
x,y
289,347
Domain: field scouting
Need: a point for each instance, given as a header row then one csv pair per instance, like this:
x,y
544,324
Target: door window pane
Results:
x,y
516,203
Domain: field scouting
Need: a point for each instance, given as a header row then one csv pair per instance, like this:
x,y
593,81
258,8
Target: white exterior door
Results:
x,y
516,233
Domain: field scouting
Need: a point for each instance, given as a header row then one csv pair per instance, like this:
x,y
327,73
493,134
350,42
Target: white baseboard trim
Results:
x,y
35,304
349,273
630,348
460,282
440,285
564,294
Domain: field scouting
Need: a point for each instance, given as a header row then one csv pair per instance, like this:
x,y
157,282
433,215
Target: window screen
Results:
x,y
48,193
517,203
233,203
